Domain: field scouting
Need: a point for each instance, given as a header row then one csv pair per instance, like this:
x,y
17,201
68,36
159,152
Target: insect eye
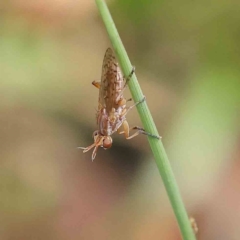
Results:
x,y
107,142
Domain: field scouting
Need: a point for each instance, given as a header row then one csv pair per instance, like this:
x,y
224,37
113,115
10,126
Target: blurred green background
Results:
x,y
187,60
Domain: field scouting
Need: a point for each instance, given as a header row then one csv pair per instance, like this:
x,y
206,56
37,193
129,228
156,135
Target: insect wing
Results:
x,y
111,81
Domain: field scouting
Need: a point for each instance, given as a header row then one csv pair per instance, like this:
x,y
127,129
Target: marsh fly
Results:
x,y
112,106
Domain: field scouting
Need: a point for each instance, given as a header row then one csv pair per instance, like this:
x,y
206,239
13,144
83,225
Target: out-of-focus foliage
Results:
x,y
187,61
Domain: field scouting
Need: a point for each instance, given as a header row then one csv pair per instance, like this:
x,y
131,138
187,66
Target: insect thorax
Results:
x,y
109,123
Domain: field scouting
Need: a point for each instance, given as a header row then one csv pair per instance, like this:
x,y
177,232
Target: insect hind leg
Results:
x,y
96,84
125,85
129,77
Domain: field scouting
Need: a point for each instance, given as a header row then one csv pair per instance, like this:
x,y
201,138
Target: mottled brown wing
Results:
x,y
111,81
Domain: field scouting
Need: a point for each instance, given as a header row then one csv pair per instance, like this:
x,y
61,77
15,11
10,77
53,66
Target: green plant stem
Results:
x,y
158,150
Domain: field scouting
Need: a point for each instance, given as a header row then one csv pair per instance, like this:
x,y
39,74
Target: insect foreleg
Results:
x,y
126,131
94,152
142,131
98,142
86,149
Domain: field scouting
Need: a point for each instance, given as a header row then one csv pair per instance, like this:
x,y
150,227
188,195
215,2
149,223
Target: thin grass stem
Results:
x,y
156,145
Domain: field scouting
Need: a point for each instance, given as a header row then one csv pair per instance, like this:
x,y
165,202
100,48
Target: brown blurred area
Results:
x,y
187,62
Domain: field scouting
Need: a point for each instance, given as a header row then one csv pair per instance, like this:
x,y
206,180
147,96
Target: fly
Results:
x,y
112,106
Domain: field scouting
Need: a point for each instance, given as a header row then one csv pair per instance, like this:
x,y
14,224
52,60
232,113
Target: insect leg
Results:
x,y
94,152
135,104
126,131
142,131
96,84
118,100
129,76
86,149
97,143
123,101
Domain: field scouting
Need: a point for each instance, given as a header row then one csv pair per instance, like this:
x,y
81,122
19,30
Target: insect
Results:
x,y
112,106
